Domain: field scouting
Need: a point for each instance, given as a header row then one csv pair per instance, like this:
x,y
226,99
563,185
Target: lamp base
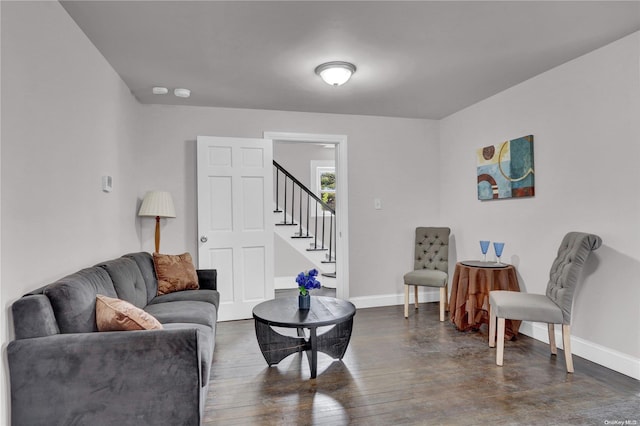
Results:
x,y
157,234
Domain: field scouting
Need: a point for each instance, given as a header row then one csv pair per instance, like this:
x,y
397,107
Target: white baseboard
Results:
x,y
424,295
609,358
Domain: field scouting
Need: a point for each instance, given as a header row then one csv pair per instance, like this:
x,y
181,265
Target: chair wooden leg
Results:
x,y
446,297
406,301
443,302
492,328
415,295
552,339
566,342
500,350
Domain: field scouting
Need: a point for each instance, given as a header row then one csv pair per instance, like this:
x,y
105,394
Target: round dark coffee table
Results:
x,y
284,312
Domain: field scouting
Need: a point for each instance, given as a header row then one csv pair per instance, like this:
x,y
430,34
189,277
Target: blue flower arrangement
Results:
x,y
307,281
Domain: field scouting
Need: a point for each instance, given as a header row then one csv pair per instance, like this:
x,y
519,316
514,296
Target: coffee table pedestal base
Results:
x,y
275,347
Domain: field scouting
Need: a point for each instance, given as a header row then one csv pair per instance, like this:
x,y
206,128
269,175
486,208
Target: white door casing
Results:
x,y
235,229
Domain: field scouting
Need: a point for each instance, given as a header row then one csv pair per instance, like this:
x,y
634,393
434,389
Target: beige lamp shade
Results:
x,y
157,204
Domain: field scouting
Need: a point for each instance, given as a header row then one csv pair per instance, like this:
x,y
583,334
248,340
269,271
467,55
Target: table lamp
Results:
x,y
158,204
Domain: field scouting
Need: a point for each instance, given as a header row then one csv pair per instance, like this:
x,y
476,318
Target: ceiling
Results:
x,y
417,59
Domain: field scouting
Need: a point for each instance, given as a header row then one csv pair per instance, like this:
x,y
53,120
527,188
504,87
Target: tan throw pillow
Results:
x,y
175,273
118,315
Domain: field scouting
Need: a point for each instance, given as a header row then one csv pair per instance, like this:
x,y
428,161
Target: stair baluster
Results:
x,y
293,202
277,210
284,210
308,214
300,215
330,257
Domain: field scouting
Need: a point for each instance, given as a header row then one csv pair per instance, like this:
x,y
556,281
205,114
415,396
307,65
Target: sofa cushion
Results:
x,y
119,315
145,263
73,299
184,311
209,296
175,272
206,344
127,280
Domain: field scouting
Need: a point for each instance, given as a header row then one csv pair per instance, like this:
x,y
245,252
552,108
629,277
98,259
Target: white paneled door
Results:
x,y
235,202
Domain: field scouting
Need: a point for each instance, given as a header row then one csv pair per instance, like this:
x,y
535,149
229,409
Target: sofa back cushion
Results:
x,y
145,264
73,299
127,280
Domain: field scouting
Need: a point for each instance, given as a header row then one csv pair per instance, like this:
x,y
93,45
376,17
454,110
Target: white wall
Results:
x,y
389,158
585,118
288,262
71,120
296,158
67,119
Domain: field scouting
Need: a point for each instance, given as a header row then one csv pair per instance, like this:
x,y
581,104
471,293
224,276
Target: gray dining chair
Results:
x,y
554,307
431,265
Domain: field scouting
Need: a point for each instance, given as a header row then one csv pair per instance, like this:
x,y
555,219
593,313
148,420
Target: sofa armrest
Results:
x,y
126,378
33,317
208,278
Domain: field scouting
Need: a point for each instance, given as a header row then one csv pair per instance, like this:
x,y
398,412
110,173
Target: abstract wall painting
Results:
x,y
506,170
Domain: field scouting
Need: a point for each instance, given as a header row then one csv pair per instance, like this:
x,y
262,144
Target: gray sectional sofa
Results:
x,y
64,371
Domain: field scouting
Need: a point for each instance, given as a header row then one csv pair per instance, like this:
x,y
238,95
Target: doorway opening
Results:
x,y
329,168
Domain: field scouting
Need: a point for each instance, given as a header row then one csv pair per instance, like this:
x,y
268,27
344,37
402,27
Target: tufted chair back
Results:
x,y
432,249
565,270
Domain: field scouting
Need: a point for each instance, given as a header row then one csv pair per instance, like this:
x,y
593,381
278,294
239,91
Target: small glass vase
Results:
x,y
484,246
304,302
498,247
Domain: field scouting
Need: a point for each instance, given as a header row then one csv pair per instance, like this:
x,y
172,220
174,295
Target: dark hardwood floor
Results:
x,y
415,371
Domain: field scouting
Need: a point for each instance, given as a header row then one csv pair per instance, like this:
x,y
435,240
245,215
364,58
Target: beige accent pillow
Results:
x,y
175,273
119,315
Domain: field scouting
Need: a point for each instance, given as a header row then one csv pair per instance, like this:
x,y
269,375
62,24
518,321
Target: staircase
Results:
x,y
306,224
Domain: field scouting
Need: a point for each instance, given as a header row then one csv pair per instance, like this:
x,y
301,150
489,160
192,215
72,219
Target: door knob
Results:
x,y
204,239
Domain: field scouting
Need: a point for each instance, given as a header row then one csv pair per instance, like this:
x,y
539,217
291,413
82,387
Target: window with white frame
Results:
x,y
323,181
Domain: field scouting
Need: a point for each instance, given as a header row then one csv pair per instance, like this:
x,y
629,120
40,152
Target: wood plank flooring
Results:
x,y
412,372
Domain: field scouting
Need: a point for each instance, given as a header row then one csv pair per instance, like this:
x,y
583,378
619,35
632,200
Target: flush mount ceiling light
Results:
x,y
182,93
335,73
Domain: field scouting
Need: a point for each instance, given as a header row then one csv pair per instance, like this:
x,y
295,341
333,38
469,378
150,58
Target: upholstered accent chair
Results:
x,y
431,265
554,307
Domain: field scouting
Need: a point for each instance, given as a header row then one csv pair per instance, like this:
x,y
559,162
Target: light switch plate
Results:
x,y
107,183
377,203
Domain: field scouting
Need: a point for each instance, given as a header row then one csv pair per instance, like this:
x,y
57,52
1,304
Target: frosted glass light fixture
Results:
x,y
336,73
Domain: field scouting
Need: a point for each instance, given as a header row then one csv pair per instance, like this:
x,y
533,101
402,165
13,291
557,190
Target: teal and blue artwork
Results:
x,y
506,170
